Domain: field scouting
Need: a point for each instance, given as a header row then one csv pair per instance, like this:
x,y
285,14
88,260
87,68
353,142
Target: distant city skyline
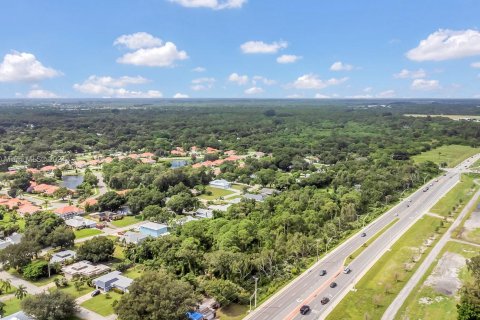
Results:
x,y
240,49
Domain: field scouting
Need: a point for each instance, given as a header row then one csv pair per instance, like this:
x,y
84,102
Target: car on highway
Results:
x,y
363,234
324,300
323,272
346,270
333,285
304,309
425,189
95,293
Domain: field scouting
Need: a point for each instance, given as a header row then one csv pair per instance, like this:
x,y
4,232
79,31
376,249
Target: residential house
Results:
x,y
268,191
204,213
84,268
133,237
112,280
62,256
153,229
69,212
14,238
48,168
219,207
20,315
28,208
223,184
77,222
256,197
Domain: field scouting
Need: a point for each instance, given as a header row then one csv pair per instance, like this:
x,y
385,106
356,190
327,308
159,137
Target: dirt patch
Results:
x,y
473,222
444,278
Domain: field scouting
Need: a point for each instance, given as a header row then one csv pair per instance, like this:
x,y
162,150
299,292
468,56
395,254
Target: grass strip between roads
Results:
x,y
455,200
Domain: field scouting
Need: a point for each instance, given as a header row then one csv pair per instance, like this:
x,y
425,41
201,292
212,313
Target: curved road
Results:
x,y
310,287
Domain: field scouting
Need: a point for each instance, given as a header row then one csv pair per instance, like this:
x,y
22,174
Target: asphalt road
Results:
x,y
310,287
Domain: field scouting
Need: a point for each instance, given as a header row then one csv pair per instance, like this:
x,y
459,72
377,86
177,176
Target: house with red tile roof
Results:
x,y
133,156
28,208
11,203
211,150
230,152
68,212
89,202
146,155
46,189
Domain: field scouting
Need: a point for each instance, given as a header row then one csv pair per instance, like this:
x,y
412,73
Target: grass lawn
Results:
x,y
39,283
451,154
101,304
473,236
232,312
216,193
118,253
238,187
445,306
7,218
457,197
86,233
71,290
356,305
134,272
12,306
126,221
363,247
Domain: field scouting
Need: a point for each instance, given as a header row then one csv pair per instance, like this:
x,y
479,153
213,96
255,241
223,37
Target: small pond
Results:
x,y
71,182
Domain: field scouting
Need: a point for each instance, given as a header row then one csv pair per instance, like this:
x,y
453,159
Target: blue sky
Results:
x,y
240,48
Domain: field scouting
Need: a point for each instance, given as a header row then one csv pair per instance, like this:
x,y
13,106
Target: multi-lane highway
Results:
x,y
310,287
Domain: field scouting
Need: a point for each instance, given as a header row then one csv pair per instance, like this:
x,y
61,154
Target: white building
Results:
x,y
78,222
14,238
63,256
223,184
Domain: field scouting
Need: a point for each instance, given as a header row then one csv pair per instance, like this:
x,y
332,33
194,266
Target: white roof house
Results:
x,y
112,280
256,197
153,229
78,222
84,268
223,184
204,213
14,238
63,256
20,315
133,237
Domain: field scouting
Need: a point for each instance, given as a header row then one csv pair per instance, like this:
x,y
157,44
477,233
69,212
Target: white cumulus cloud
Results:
x,y
321,96
340,66
115,87
386,94
262,47
475,64
180,96
238,79
138,40
312,81
199,69
446,44
288,58
41,94
254,90
201,84
149,51
211,4
410,74
264,80
24,67
425,85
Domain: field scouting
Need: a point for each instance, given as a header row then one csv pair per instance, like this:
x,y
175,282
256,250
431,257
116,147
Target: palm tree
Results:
x,y
6,285
21,292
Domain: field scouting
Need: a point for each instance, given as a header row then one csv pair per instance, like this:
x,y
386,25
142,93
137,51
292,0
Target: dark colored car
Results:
x,y
333,285
324,300
304,309
363,234
323,272
95,293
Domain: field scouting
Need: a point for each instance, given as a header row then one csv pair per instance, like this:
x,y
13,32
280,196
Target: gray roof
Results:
x,y
204,213
20,315
116,277
134,237
256,197
62,256
153,226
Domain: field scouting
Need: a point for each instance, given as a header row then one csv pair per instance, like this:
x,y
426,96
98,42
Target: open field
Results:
x,y
216,193
232,312
102,304
12,306
86,233
457,197
377,289
452,155
427,302
449,116
71,290
126,221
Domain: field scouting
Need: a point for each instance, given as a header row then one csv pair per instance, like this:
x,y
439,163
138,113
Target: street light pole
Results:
x,y
256,287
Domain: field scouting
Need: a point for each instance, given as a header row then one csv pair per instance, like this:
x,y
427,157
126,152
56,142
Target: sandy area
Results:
x,y
444,278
